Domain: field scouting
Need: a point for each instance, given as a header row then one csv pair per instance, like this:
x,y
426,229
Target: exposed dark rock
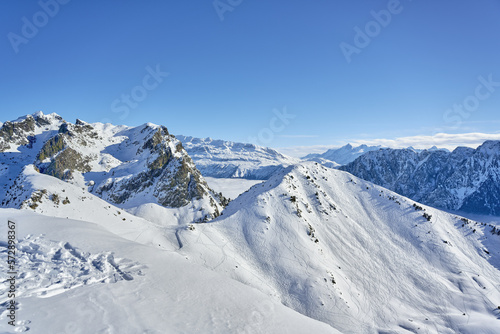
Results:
x,y
465,179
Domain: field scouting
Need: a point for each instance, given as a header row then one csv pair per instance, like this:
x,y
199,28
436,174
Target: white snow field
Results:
x,y
230,187
354,255
77,277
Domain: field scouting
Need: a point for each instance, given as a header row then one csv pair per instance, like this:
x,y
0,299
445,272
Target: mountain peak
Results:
x,y
348,146
349,246
342,155
127,166
490,146
22,131
40,115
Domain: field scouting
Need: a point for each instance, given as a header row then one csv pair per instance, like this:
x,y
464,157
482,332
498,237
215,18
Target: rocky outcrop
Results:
x,y
127,166
22,131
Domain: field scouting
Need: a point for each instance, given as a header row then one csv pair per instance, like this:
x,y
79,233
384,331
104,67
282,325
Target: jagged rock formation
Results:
x,y
21,132
126,166
466,179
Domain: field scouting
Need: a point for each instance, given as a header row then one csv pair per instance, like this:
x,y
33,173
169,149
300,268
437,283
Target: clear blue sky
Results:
x,y
227,76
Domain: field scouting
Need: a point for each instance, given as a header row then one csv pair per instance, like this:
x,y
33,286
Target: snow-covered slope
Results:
x,y
126,166
354,255
226,159
340,156
76,277
52,197
465,179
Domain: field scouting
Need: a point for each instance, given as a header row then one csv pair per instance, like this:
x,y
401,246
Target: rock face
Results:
x,y
166,171
226,159
21,132
126,166
466,179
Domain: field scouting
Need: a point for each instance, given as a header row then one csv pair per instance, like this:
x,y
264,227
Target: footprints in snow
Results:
x,y
48,268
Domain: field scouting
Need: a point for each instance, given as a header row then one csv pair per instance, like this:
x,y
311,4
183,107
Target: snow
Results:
x,y
226,159
112,159
112,285
81,203
231,187
176,217
464,179
340,156
392,268
53,120
312,249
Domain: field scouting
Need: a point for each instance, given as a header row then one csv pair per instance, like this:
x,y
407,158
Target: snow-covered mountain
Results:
x,y
226,159
355,255
340,156
126,166
466,179
107,241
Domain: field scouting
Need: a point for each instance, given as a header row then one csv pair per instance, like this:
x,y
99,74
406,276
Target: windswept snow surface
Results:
x,y
76,277
354,255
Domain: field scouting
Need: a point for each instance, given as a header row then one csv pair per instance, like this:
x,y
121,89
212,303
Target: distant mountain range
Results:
x,y
341,156
466,179
226,159
130,166
435,176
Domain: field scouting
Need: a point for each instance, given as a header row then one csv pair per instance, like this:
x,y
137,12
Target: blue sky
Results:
x,y
237,67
